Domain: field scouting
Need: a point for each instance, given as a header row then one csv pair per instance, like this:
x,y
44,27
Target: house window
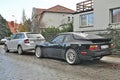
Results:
x,y
87,19
115,15
68,18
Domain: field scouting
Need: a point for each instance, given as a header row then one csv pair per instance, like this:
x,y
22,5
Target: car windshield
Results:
x,y
34,35
86,36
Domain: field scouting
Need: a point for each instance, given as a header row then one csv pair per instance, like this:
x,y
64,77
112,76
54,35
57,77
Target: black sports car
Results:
x,y
74,47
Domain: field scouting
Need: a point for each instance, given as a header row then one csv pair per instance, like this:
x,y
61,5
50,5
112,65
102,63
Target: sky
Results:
x,y
12,10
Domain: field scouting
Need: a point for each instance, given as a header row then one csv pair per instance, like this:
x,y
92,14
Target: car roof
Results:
x,y
24,32
69,32
84,35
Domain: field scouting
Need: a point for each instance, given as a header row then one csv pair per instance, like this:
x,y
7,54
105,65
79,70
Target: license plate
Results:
x,y
104,46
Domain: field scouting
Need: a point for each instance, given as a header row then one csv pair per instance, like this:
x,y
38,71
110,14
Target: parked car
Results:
x,y
23,41
74,47
4,39
1,43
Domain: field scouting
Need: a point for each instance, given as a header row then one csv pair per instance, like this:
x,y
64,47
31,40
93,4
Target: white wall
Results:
x,y
55,19
77,22
102,16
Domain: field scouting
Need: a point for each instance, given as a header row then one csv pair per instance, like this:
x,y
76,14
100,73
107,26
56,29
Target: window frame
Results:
x,y
69,19
19,36
112,15
87,20
68,38
55,40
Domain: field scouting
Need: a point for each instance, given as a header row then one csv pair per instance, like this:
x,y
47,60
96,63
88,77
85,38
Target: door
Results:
x,y
55,47
10,42
13,43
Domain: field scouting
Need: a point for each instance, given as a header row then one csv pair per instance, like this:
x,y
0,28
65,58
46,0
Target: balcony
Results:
x,y
84,6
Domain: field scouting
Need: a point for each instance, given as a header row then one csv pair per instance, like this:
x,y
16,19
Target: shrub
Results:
x,y
52,31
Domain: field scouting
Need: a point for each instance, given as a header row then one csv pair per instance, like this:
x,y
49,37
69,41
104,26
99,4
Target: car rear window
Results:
x,y
86,36
34,35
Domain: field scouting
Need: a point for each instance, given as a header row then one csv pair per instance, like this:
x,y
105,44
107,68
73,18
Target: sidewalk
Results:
x,y
111,59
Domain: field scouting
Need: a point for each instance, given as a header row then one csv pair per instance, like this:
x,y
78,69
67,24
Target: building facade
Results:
x,y
97,16
52,17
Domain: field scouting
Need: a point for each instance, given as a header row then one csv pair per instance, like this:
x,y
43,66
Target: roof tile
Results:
x,y
57,8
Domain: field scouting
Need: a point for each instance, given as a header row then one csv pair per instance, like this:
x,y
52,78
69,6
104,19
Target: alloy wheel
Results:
x,y
71,57
20,51
38,52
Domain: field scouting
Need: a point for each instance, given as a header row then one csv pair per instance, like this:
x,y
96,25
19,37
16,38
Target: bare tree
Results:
x,y
37,24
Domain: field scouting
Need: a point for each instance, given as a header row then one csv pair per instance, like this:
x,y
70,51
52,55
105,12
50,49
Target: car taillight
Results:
x,y
84,52
26,41
94,47
111,46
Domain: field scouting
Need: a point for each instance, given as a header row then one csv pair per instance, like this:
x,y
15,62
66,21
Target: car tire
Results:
x,y
6,48
38,52
20,50
72,57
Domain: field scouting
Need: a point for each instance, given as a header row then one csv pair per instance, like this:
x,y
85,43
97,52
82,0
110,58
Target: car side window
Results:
x,y
18,36
21,36
58,39
68,38
13,36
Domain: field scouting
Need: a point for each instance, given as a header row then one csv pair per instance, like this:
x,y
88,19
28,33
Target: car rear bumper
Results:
x,y
28,47
31,45
94,54
102,53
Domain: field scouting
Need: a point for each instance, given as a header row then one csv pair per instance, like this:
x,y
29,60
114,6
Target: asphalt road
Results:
x,y
28,67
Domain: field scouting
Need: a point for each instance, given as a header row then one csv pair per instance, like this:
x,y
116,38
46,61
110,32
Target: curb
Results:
x,y
111,59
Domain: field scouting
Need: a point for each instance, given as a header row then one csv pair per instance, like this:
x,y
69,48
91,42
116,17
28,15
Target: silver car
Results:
x,y
4,40
23,41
